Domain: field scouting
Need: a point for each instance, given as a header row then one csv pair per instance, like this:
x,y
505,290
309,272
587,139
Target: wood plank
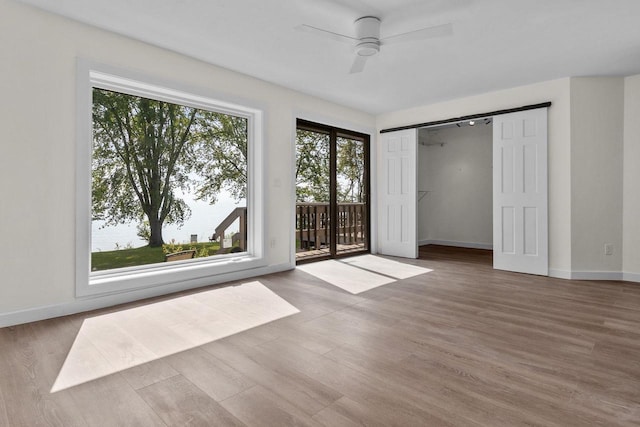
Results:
x,y
148,373
604,402
4,414
348,413
303,392
178,402
29,361
395,403
259,407
110,401
209,373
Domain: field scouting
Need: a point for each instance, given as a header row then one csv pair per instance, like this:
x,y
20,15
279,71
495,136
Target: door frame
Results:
x,y
334,133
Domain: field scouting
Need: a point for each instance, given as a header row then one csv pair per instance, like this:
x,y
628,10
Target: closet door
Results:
x,y
520,224
397,194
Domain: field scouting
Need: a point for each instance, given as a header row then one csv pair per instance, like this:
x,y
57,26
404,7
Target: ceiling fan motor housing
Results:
x,y
368,34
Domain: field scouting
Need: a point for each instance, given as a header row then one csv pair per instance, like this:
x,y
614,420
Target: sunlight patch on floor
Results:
x,y
385,266
360,273
117,341
346,277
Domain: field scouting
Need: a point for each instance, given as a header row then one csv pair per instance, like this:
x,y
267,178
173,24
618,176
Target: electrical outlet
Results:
x,y
272,243
608,249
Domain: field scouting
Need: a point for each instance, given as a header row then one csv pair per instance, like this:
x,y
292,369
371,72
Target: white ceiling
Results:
x,y
496,44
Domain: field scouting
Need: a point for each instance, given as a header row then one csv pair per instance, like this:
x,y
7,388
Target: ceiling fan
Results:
x,y
367,41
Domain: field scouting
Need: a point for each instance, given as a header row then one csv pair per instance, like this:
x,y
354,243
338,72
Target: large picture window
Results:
x,y
157,164
170,190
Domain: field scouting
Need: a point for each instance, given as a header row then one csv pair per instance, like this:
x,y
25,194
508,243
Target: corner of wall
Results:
x,y
631,178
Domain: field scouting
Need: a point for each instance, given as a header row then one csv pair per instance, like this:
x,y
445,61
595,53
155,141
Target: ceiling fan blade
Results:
x,y
422,34
358,64
325,33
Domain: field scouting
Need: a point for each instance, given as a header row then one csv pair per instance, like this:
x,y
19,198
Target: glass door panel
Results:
x,y
351,194
313,194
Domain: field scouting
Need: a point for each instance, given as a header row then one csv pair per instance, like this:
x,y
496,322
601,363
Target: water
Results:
x,y
203,221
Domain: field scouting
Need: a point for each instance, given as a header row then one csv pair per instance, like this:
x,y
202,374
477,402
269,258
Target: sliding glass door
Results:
x,y
332,192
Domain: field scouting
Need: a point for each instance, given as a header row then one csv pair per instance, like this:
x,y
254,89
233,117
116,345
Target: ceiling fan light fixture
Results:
x,y
368,35
367,48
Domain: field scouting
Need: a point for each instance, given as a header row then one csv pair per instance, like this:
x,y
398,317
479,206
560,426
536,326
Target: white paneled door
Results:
x,y
520,227
397,201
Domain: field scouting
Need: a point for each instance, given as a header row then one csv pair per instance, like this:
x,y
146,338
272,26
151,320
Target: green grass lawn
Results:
x,y
106,260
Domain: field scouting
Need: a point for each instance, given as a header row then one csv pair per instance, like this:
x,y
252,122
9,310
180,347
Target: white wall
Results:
x,y
597,109
458,175
37,152
556,91
631,184
37,176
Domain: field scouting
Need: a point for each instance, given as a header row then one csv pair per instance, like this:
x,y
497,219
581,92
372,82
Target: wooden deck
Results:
x,y
313,229
341,249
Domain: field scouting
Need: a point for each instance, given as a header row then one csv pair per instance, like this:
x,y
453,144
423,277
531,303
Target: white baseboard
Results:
x,y
631,277
597,275
456,244
93,303
560,274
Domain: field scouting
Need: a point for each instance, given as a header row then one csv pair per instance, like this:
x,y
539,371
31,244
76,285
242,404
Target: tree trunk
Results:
x,y
155,239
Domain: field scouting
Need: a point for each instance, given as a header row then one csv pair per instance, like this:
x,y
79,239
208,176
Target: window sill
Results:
x,y
128,279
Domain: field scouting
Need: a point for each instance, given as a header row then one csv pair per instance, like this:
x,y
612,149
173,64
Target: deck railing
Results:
x,y
239,239
313,224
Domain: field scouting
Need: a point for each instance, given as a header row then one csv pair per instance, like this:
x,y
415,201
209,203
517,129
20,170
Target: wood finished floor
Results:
x,y
463,345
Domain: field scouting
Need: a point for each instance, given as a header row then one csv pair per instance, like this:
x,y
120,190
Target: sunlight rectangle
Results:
x,y
351,279
117,341
388,267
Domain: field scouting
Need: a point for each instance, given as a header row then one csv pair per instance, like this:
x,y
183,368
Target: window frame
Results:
x,y
195,271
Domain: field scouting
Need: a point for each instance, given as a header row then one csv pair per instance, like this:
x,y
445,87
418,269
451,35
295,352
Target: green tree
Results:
x,y
222,156
312,166
350,170
140,157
